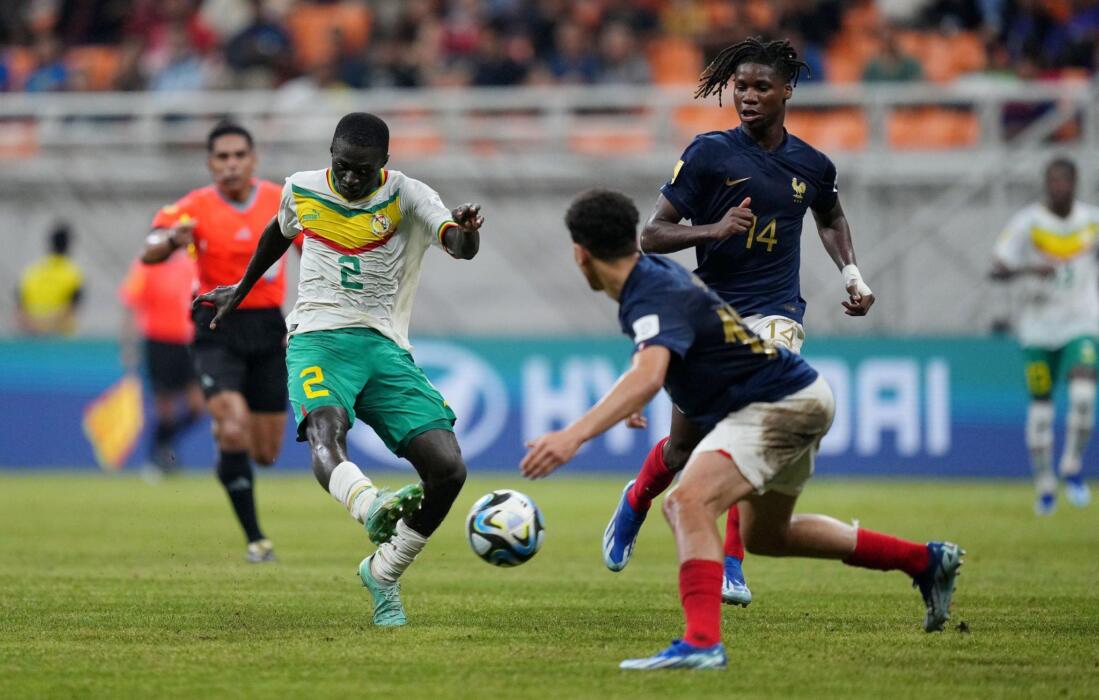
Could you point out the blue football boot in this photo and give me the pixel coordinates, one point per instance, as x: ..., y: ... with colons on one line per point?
x: 734, y: 591
x: 680, y: 655
x: 621, y: 533
x: 1077, y: 491
x: 936, y: 583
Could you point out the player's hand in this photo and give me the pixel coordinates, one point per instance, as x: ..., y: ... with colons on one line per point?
x: 468, y: 216
x: 547, y: 453
x: 223, y: 299
x: 637, y: 421
x: 859, y: 299
x: 736, y: 221
x: 182, y: 233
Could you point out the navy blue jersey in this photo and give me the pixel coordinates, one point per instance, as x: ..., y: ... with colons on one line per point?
x: 757, y: 272
x: 717, y: 364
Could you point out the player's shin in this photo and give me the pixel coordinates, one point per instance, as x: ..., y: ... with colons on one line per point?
x: 352, y: 489
x: 700, y: 594
x: 234, y: 471
x: 1081, y: 421
x: 1039, y: 441
x: 653, y: 479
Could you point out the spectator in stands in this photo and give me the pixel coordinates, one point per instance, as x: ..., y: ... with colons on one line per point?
x: 50, y: 289
x: 261, y: 50
x: 131, y: 74
x: 501, y: 61
x: 572, y: 60
x: 183, y: 68
x: 892, y: 64
x: 50, y: 74
x: 620, y: 60
x: 91, y: 21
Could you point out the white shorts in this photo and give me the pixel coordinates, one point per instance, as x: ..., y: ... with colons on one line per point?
x: 781, y: 331
x: 775, y: 444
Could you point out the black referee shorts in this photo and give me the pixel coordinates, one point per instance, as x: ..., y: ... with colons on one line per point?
x: 169, y: 366
x: 246, y: 354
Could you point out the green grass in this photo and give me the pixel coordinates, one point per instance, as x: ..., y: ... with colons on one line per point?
x: 112, y: 588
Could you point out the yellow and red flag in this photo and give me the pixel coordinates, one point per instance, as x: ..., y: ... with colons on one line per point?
x: 113, y: 422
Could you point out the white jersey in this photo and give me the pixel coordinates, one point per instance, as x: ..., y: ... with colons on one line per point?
x: 360, y: 262
x: 1065, y: 305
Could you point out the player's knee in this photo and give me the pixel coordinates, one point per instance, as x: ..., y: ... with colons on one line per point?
x: 1081, y: 393
x: 448, y: 477
x: 265, y: 455
x: 683, y: 500
x: 231, y: 435
x: 770, y: 544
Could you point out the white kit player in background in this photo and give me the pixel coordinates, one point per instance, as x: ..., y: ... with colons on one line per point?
x: 1051, y: 248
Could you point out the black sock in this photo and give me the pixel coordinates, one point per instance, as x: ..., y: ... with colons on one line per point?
x: 160, y: 451
x: 235, y: 473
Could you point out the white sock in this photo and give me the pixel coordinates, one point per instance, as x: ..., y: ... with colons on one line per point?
x: 393, y: 557
x: 352, y: 489
x: 1081, y: 420
x: 1039, y: 441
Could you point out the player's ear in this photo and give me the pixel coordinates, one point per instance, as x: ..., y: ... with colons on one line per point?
x: 384, y: 162
x: 580, y: 255
x: 787, y: 91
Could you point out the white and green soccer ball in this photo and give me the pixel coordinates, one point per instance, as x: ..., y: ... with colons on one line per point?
x: 505, y: 528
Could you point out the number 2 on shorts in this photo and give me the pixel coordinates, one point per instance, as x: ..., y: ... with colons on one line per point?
x: 316, y: 376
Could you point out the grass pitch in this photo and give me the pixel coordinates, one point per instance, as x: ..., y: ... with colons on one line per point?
x: 113, y: 588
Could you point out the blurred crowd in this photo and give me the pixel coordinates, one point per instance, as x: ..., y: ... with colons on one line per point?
x: 303, y: 45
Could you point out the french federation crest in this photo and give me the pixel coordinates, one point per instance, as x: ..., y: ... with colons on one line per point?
x: 799, y: 189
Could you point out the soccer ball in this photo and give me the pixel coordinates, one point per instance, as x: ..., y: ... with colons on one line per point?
x: 505, y: 528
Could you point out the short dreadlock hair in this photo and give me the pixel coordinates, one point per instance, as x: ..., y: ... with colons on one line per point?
x: 779, y: 54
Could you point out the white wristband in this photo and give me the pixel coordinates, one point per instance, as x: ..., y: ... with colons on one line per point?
x: 851, y: 276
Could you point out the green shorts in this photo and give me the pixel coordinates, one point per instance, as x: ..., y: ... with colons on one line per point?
x: 1044, y: 367
x: 370, y: 377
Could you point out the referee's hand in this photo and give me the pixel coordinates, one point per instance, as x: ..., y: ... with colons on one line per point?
x: 223, y: 299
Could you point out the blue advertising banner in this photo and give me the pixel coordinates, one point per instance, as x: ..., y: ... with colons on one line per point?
x: 912, y: 407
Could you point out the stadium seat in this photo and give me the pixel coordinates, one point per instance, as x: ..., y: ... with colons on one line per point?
x: 674, y: 61
x: 99, y: 63
x: 932, y: 128
x: 312, y: 26
x: 20, y: 63
x: 847, y: 56
x: 612, y: 138
x: 843, y: 129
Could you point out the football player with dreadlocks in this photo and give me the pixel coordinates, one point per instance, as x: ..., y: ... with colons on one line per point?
x: 745, y: 192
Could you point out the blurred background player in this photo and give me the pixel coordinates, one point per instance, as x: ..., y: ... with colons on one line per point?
x: 762, y: 411
x: 746, y: 192
x: 159, y: 300
x: 50, y: 289
x: 1051, y: 247
x: 242, y: 369
x: 366, y: 231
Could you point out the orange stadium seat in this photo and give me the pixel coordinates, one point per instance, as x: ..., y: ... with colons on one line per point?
x: 861, y: 18
x: 613, y: 138
x: 99, y: 63
x: 932, y: 128
x: 843, y: 129
x: 313, y: 26
x: 674, y: 61
x: 848, y: 55
x: 698, y: 119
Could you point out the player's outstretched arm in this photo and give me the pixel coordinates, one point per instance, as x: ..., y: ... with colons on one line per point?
x: 835, y: 234
x: 629, y: 395
x: 272, y: 246
x: 1002, y: 272
x: 663, y: 233
x: 464, y: 240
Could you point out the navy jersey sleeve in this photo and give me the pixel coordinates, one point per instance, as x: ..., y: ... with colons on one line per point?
x: 828, y: 192
x: 659, y: 321
x: 690, y: 183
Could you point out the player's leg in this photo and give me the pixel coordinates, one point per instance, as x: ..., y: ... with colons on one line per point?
x: 710, y: 485
x: 664, y: 461
x: 1041, y: 366
x: 265, y: 388
x: 169, y: 368
x: 1080, y: 359
x: 323, y: 383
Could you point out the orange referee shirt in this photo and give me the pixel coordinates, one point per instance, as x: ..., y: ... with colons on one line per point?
x: 160, y: 296
x: 226, y: 235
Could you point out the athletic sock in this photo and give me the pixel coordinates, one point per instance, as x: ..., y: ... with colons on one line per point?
x: 874, y: 550
x: 1081, y: 420
x: 652, y: 480
x: 235, y: 473
x: 700, y: 593
x: 163, y: 434
x: 734, y: 547
x: 1039, y: 442
x: 393, y: 557
x: 352, y: 489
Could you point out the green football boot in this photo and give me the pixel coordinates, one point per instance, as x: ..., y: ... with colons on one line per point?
x: 388, y: 610
x: 389, y: 507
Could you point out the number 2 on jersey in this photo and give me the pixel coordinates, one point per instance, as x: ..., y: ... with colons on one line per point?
x: 315, y: 376
x: 349, y: 266
x: 767, y: 235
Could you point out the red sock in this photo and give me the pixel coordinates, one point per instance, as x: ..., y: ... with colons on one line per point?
x: 653, y: 478
x: 733, y: 546
x: 700, y: 593
x: 873, y: 550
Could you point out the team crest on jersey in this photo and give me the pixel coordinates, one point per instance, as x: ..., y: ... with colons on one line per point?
x: 380, y: 223
x: 799, y: 190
